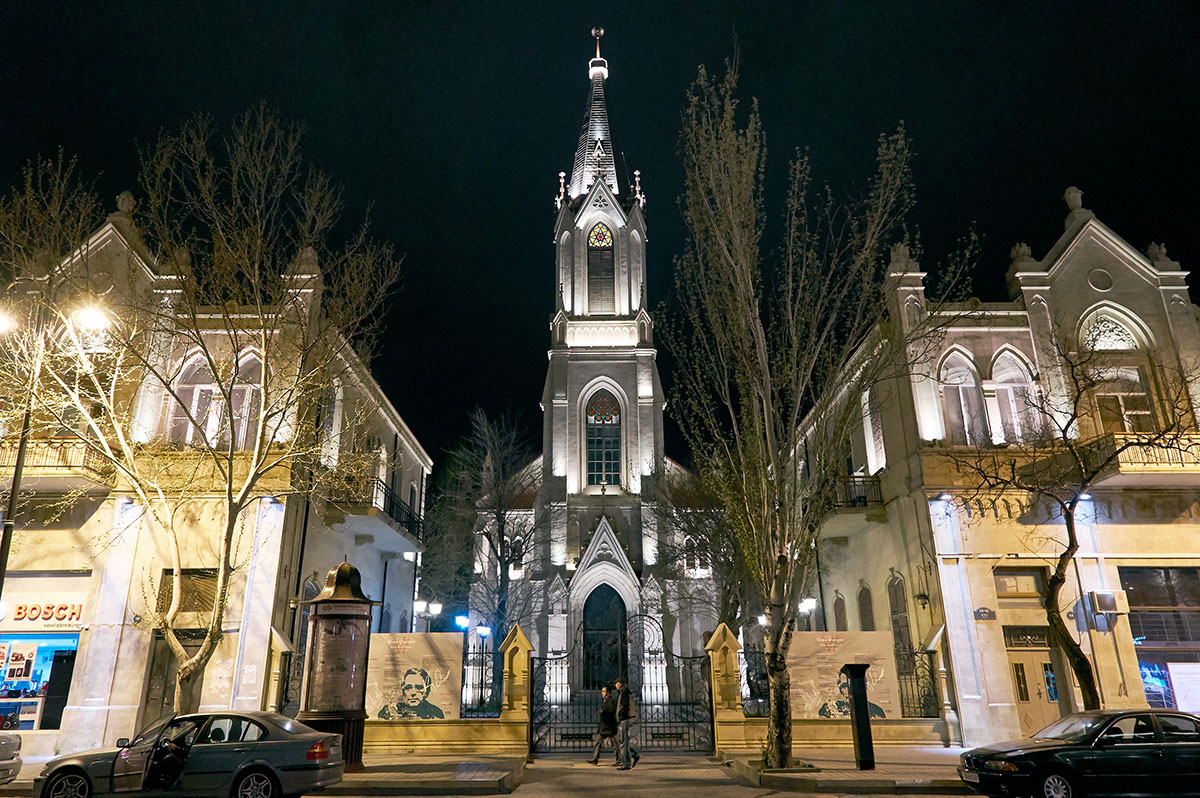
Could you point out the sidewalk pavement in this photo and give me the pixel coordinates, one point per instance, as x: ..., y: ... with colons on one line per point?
x: 911, y: 770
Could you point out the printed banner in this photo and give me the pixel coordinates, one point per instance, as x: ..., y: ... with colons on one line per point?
x: 1185, y: 682
x: 414, y: 676
x: 819, y: 690
x: 3, y: 657
x: 20, y: 662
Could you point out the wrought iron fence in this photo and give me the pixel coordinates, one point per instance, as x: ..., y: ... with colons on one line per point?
x: 858, y: 491
x: 482, y: 682
x: 917, y: 675
x: 752, y: 663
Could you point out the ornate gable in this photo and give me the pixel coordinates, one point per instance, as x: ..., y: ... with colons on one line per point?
x: 605, y: 547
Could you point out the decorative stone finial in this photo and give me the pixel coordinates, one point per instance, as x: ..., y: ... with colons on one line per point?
x: 1156, y: 252
x: 125, y: 203
x: 1074, y: 198
x: 637, y: 187
x: 901, y: 256
x: 1019, y: 252
x: 562, y: 190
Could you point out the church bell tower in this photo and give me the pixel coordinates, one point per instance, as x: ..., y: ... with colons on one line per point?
x: 603, y: 400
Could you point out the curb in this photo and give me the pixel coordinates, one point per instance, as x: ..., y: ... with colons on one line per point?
x: 805, y: 780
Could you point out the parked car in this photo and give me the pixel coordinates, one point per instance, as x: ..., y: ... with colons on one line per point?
x: 10, y: 757
x: 1117, y: 752
x: 238, y: 754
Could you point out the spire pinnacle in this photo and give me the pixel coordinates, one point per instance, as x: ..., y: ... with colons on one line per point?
x: 598, y: 66
x: 596, y: 157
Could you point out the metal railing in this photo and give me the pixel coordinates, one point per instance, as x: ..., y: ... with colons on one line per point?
x: 482, y: 682
x: 1150, y: 627
x: 858, y: 491
x: 57, y: 454
x: 752, y: 664
x: 1145, y: 450
x: 377, y: 494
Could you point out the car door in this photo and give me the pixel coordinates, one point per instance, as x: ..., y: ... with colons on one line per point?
x: 129, y: 765
x: 223, y: 745
x: 1181, y: 752
x: 1125, y: 759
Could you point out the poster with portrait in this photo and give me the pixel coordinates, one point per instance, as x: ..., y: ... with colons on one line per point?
x: 819, y: 690
x: 414, y: 676
x: 21, y: 657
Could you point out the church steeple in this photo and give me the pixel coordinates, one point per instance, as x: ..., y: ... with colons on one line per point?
x: 596, y: 158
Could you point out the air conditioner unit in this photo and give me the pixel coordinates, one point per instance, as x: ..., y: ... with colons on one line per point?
x: 1109, y: 602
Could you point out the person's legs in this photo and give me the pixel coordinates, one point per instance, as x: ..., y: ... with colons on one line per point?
x: 626, y: 744
x: 596, y: 749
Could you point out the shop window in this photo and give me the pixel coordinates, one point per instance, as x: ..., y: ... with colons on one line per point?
x: 198, y: 590
x: 1164, y: 620
x: 37, y: 677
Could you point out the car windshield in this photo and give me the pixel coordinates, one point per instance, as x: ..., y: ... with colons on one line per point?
x: 1072, y: 728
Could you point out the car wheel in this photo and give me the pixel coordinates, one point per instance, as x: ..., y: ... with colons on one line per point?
x: 255, y: 784
x: 1056, y: 785
x: 69, y: 784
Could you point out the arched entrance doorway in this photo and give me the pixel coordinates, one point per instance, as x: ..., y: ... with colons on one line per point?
x: 604, y: 638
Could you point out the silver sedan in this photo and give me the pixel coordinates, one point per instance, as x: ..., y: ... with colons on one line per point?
x: 239, y: 754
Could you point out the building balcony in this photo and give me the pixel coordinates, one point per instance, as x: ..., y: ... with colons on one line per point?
x: 858, y: 492
x: 56, y: 465
x: 374, y: 509
x: 1172, y: 462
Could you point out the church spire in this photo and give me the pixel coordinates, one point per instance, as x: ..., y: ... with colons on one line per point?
x: 596, y: 156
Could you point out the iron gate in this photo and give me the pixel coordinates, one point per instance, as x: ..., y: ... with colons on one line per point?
x: 674, y: 699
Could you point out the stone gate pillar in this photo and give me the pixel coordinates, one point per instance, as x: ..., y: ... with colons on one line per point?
x: 723, y: 648
x: 516, y: 649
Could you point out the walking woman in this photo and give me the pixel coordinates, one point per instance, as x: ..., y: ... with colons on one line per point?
x: 607, y: 726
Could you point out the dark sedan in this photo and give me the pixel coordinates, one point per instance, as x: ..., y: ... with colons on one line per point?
x: 1117, y: 752
x: 236, y: 754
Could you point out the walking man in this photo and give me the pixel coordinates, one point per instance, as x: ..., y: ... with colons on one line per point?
x: 607, y: 726
x: 626, y: 717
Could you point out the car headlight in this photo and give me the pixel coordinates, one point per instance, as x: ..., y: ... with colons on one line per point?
x: 1002, y: 765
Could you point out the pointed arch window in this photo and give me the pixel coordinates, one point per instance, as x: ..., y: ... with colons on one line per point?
x: 601, y: 279
x: 866, y: 610
x: 961, y: 401
x: 603, y: 439
x: 839, y: 614
x: 1013, y: 386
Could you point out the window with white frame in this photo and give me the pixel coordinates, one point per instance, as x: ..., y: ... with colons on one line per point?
x: 1013, y: 393
x: 1122, y: 402
x: 198, y: 414
x: 962, y: 401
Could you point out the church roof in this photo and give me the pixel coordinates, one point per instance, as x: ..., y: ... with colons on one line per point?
x: 597, y: 157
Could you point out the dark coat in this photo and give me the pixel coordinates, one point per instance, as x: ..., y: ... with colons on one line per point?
x: 608, y: 716
x: 626, y: 706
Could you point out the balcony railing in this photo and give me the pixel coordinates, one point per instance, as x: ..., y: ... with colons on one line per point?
x: 1145, y: 453
x: 858, y: 491
x: 375, y: 493
x: 54, y: 458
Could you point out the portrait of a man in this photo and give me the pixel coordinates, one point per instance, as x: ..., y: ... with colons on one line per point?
x: 414, y: 699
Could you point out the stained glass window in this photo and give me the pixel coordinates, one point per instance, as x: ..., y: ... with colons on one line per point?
x: 603, y: 439
x: 600, y: 237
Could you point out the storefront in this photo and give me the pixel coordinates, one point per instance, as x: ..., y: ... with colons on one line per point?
x: 41, y: 616
x: 1164, y: 619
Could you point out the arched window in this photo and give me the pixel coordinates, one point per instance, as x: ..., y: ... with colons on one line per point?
x: 961, y: 401
x: 839, y: 614
x: 603, y: 439
x: 1017, y: 416
x: 199, y: 416
x: 1122, y: 401
x: 601, y: 280
x: 901, y: 636
x: 866, y: 610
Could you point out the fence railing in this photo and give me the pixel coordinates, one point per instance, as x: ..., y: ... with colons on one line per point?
x: 752, y: 663
x: 377, y: 494
x: 482, y: 682
x: 55, y: 454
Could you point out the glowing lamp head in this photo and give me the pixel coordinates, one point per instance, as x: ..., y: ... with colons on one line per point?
x: 808, y: 605
x: 420, y: 606
x: 762, y: 620
x: 435, y: 608
x: 483, y: 631
x: 8, y: 322
x: 92, y: 318
x: 1085, y: 497
x: 462, y: 621
x: 944, y: 497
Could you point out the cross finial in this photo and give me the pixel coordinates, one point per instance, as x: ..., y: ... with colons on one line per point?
x: 637, y: 187
x: 562, y: 189
x: 597, y: 33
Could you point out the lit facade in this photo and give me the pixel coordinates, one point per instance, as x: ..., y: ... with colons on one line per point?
x: 913, y: 551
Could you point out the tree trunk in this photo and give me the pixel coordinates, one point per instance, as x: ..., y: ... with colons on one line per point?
x: 1060, y: 635
x: 498, y: 635
x: 779, y: 724
x: 187, y: 690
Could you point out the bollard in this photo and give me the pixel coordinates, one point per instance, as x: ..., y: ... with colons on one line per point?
x: 860, y: 717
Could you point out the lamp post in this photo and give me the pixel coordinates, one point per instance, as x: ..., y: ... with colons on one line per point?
x: 427, y: 610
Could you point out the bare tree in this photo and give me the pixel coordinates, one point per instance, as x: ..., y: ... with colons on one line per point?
x: 1069, y: 441
x: 201, y: 374
x: 772, y: 352
x: 487, y: 497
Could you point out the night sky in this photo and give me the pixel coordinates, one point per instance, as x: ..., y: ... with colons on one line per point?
x: 454, y: 119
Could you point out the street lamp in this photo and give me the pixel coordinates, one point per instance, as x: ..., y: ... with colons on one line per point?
x: 427, y: 610
x: 807, y: 605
